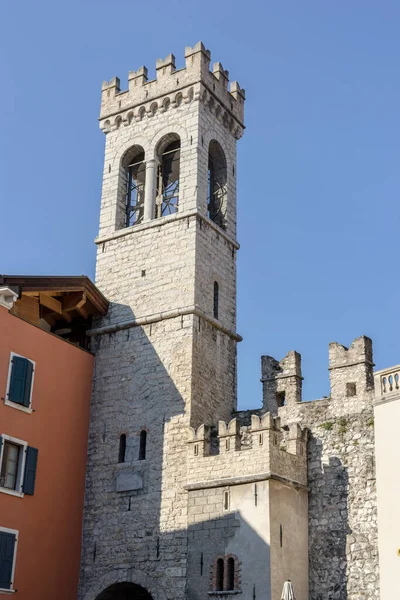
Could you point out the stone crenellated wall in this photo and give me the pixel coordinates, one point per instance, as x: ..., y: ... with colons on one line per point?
x: 248, y: 501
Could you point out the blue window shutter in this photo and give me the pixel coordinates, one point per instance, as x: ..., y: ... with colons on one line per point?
x: 7, y: 545
x: 16, y: 392
x: 28, y: 383
x: 28, y: 486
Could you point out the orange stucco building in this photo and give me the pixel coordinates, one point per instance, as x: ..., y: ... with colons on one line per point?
x: 45, y: 390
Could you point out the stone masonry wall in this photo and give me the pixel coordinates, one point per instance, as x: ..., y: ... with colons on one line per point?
x: 343, y: 551
x: 142, y: 526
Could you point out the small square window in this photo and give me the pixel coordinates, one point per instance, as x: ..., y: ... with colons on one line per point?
x: 351, y: 389
x: 20, y: 383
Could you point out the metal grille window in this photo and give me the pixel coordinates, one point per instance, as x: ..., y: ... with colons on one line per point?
x: 136, y: 179
x: 167, y: 201
x: 217, y: 184
x: 10, y: 466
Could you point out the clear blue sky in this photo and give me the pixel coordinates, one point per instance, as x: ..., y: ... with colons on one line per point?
x: 318, y: 167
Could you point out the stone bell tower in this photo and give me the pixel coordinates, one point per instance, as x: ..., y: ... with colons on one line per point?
x: 166, y: 351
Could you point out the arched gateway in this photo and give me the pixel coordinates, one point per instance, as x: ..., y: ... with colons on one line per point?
x: 124, y: 591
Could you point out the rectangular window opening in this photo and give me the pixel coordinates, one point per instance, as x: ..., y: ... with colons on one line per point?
x: 226, y: 500
x: 281, y: 399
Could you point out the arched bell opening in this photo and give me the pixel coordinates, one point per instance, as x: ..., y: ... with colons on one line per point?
x: 124, y: 591
x: 134, y: 181
x: 169, y: 156
x: 217, y: 184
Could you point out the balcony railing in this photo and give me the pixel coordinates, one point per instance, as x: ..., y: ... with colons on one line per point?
x: 387, y: 381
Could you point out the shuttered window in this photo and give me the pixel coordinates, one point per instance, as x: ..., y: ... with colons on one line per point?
x: 7, y: 556
x: 20, y: 385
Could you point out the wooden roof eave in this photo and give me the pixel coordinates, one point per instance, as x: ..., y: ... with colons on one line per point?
x: 61, y: 283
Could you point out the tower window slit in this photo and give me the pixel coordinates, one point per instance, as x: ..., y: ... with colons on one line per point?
x: 226, y: 501
x: 216, y: 300
x: 142, y: 445
x: 122, y: 448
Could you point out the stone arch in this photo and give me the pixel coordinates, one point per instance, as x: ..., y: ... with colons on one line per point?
x: 151, y: 584
x: 213, y: 135
x: 124, y: 148
x: 175, y: 130
x: 125, y: 590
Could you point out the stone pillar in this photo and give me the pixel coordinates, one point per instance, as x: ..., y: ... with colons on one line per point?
x: 150, y: 190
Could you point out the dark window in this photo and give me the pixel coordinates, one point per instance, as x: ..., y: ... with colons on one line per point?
x: 122, y: 448
x: 281, y: 399
x: 220, y: 575
x: 351, y: 389
x: 19, y: 390
x: 167, y: 200
x: 142, y: 445
x: 136, y: 180
x: 217, y: 184
x: 230, y: 579
x: 216, y: 299
x: 7, y: 545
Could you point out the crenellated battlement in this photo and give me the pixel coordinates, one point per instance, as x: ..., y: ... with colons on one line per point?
x: 350, y: 372
x: 273, y: 451
x: 171, y: 88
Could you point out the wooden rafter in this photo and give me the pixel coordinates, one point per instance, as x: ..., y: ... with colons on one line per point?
x: 51, y: 303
